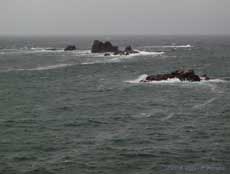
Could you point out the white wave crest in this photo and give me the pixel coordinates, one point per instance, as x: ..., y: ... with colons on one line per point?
x: 216, y: 81
x: 139, y: 79
x: 41, y: 68
x: 33, y: 50
x: 168, y: 117
x: 140, y: 53
x: 50, y: 67
x: 199, y: 106
x: 142, y: 77
x: 115, y: 58
x: 82, y: 53
x: 146, y: 53
x: 169, y: 46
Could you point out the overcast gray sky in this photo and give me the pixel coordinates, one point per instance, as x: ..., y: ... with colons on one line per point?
x: 68, y: 17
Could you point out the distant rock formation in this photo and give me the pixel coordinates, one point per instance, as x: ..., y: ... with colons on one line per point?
x: 182, y: 75
x: 70, y: 48
x: 129, y: 50
x: 107, y: 54
x: 103, y: 47
x: 107, y: 48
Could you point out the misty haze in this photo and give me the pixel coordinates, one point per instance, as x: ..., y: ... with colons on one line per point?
x: 77, y: 17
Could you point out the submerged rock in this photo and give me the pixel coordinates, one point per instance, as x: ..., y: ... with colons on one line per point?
x: 119, y: 52
x: 182, y: 75
x: 70, y: 48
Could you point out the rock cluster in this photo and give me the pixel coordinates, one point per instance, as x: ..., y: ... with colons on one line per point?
x: 182, y: 75
x: 103, y: 47
x: 108, y: 49
x: 129, y: 50
x: 70, y: 48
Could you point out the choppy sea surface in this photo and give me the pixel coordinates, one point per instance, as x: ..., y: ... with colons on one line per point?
x: 82, y: 113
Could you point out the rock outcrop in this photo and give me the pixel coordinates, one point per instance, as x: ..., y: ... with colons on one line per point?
x: 107, y: 48
x: 182, y: 75
x: 129, y: 50
x: 70, y: 48
x: 103, y: 47
x: 107, y: 54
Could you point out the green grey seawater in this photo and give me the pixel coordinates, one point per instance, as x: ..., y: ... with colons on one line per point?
x: 77, y: 112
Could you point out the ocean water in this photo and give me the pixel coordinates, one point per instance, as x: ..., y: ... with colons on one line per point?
x: 82, y: 113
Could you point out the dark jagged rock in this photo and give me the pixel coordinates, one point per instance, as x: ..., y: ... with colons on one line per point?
x: 182, y: 75
x: 128, y: 50
x: 188, y: 75
x: 107, y: 54
x: 103, y: 47
x: 159, y: 77
x: 70, y: 48
x: 119, y: 52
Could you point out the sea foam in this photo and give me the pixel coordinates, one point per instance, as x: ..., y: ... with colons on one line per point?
x: 33, y: 50
x: 140, y: 53
x: 115, y: 58
x: 169, y: 46
x: 142, y: 77
x: 41, y: 68
x: 50, y: 67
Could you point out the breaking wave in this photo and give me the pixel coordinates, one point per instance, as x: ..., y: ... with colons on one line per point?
x: 140, y: 53
x: 81, y: 53
x: 37, y: 49
x: 115, y: 58
x: 169, y: 46
x: 147, y: 53
x: 49, y: 67
x: 41, y: 68
x: 138, y: 80
x: 171, y: 81
x: 143, y: 77
x: 83, y: 57
x: 32, y: 50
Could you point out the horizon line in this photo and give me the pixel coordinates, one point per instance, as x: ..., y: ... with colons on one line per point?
x: 109, y: 34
